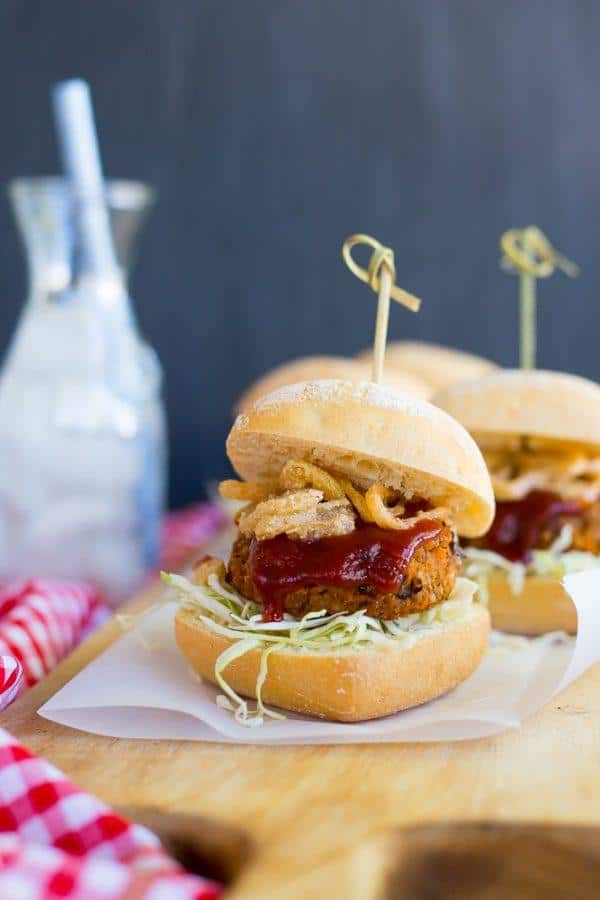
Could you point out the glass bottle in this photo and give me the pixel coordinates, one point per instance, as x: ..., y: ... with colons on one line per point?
x: 82, y: 429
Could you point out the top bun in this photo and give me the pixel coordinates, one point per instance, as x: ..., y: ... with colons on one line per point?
x: 310, y: 368
x: 552, y: 406
x: 438, y: 366
x: 367, y: 433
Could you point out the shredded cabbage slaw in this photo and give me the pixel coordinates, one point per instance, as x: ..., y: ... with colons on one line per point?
x: 557, y: 561
x: 227, y: 613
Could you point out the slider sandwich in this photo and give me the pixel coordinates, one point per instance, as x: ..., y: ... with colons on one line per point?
x: 341, y: 597
x: 313, y: 368
x: 435, y: 364
x: 540, y: 436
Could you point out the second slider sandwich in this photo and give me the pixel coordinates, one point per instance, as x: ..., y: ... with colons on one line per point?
x: 319, y: 368
x: 436, y: 365
x: 540, y: 435
x: 341, y: 597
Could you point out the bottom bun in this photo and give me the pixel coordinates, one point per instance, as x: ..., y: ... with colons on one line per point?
x: 542, y: 605
x: 349, y: 686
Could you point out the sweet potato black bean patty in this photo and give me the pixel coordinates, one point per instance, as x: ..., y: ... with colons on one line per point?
x: 429, y: 580
x: 586, y: 531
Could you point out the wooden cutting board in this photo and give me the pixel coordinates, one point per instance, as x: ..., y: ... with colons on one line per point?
x: 323, y: 821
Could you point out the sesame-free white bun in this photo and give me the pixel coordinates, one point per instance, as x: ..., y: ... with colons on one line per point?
x: 367, y: 433
x: 550, y: 409
x: 311, y: 368
x: 346, y: 686
x: 437, y: 365
x: 552, y: 406
x: 543, y: 605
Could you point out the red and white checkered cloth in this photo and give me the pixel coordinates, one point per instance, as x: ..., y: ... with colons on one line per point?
x: 11, y: 679
x: 56, y: 841
x: 42, y: 620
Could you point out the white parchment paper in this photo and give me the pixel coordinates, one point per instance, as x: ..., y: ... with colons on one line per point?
x: 141, y: 687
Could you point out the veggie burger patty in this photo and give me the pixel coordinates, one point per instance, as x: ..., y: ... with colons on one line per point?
x: 429, y: 580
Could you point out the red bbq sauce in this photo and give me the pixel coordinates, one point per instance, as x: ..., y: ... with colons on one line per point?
x: 367, y: 556
x: 518, y: 524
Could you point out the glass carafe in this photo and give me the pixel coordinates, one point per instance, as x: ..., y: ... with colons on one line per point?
x: 82, y: 433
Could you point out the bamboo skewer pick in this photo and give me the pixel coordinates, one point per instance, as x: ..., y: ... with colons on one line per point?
x: 529, y: 252
x: 380, y: 276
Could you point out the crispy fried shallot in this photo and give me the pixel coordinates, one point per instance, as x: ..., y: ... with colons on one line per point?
x: 356, y: 499
x: 310, y: 503
x: 573, y: 476
x: 297, y: 474
x: 301, y: 514
x: 390, y: 516
x: 253, y: 491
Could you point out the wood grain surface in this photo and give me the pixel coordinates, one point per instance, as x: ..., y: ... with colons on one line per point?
x: 493, y: 861
x: 325, y: 818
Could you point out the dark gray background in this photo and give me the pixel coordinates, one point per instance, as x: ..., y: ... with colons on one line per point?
x: 272, y: 129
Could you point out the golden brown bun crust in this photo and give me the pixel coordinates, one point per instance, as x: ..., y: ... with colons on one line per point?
x: 542, y: 606
x: 437, y: 365
x: 367, y: 433
x: 346, y: 687
x: 310, y: 368
x: 553, y: 406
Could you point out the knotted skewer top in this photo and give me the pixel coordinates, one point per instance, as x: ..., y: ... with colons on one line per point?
x: 528, y: 250
x: 380, y: 257
x: 529, y: 253
x: 380, y: 276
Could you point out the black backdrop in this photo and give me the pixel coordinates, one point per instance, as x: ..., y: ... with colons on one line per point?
x: 274, y: 128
